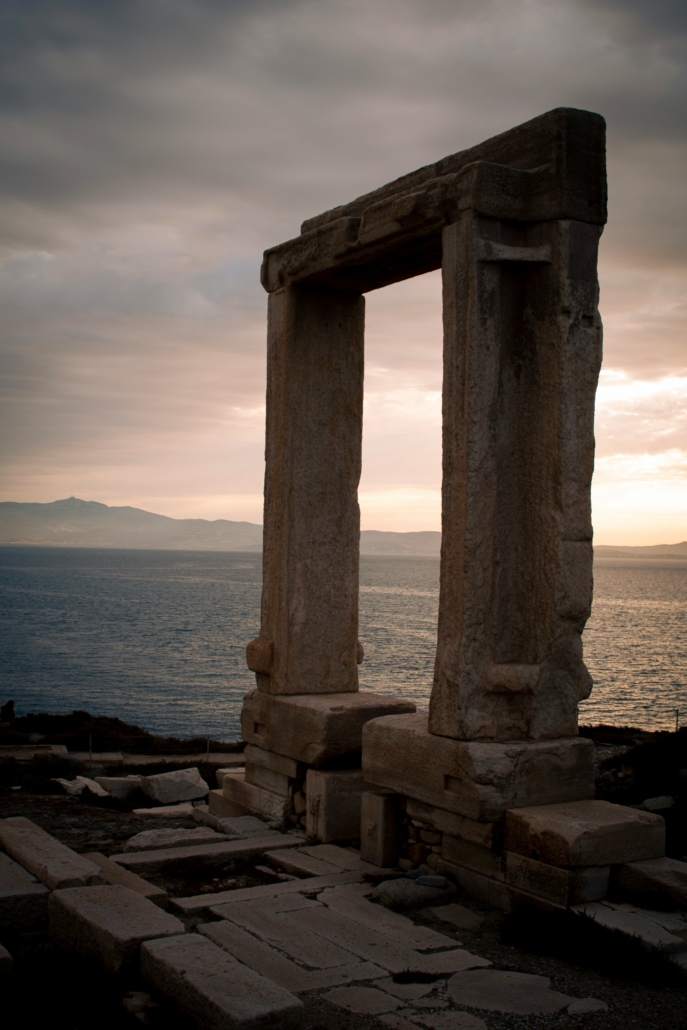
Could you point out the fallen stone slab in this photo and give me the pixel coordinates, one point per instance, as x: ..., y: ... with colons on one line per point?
x: 450, y: 1021
x: 300, y: 864
x: 6, y: 963
x: 216, y: 903
x: 270, y: 962
x: 115, y: 874
x: 584, y: 833
x: 522, y: 994
x: 150, y: 840
x: 402, y: 893
x: 51, y: 862
x: 222, y: 807
x: 182, y: 811
x: 457, y: 915
x: 107, y: 924
x: 658, y: 882
x: 364, y: 1001
x: 344, y: 858
x: 637, y: 925
x: 581, y: 1006
x: 171, y: 787
x: 119, y: 786
x: 23, y: 900
x: 215, y: 990
x: 205, y: 854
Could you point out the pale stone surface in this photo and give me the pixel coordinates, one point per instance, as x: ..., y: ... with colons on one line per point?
x: 205, y: 854
x: 119, y: 786
x: 560, y: 886
x: 23, y: 900
x: 51, y: 862
x: 365, y: 1001
x: 659, y: 881
x: 450, y: 1021
x: 484, y: 834
x: 276, y: 763
x: 407, y: 894
x: 167, y: 812
x: 265, y: 803
x: 380, y: 827
x: 107, y: 924
x: 293, y: 861
x: 522, y: 994
x: 477, y: 779
x: 637, y: 925
x: 114, y: 874
x: 584, y: 833
x: 458, y: 915
x: 214, y: 990
x: 472, y: 856
x: 221, y: 807
x: 333, y: 804
x: 168, y: 838
x: 312, y: 728
x: 581, y: 1006
x: 6, y: 963
x: 269, y: 962
x: 169, y: 788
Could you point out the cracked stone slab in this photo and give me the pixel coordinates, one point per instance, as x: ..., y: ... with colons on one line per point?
x: 23, y: 900
x: 364, y: 1001
x: 638, y: 925
x: 496, y: 990
x: 51, y: 862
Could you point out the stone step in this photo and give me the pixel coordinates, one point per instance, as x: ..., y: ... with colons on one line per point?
x: 152, y: 840
x: 23, y: 900
x: 267, y: 961
x: 115, y: 874
x: 205, y: 854
x: 216, y: 903
x: 215, y: 990
x: 51, y: 862
x: 107, y: 924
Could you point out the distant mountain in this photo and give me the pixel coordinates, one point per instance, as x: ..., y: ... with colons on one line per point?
x: 76, y: 523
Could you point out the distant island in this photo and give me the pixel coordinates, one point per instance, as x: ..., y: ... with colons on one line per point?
x: 76, y: 523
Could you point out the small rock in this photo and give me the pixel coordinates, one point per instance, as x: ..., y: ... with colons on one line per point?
x: 432, y: 881
x: 583, y: 1005
x: 95, y: 788
x: 182, y: 785
x: 404, y: 893
x: 364, y: 1001
x: 659, y: 804
x: 413, y: 873
x: 70, y: 787
x: 405, y: 864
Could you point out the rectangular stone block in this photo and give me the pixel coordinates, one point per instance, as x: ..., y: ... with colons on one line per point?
x: 114, y: 874
x: 213, y: 989
x: 51, y: 862
x: 584, y: 833
x: 293, y: 861
x: 472, y: 856
x: 333, y: 804
x: 264, y: 803
x: 23, y: 900
x: 657, y: 883
x: 107, y: 924
x: 119, y: 786
x: 222, y: 807
x: 380, y: 827
x: 211, y: 855
x: 483, y: 888
x: 231, y: 771
x: 560, y: 886
x: 277, y: 763
x: 487, y: 835
x: 313, y: 728
x: 477, y: 779
x: 268, y: 779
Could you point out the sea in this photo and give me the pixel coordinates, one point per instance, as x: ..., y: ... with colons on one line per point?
x: 157, y: 638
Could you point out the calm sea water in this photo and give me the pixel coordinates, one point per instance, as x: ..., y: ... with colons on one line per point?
x: 157, y: 638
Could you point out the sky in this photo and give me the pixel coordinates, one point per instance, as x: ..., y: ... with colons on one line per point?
x: 152, y: 149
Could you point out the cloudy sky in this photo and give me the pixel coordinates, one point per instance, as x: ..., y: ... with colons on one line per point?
x: 151, y: 149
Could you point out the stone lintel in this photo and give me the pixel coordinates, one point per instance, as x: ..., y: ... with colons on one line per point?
x: 313, y: 728
x: 549, y: 168
x: 476, y: 779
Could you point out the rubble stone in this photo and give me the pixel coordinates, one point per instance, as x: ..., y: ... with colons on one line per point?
x: 23, y: 900
x: 172, y: 787
x: 114, y: 874
x: 584, y: 833
x: 407, y: 894
x: 215, y: 990
x: 107, y: 924
x: 51, y: 862
x: 477, y: 779
x: 333, y: 804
